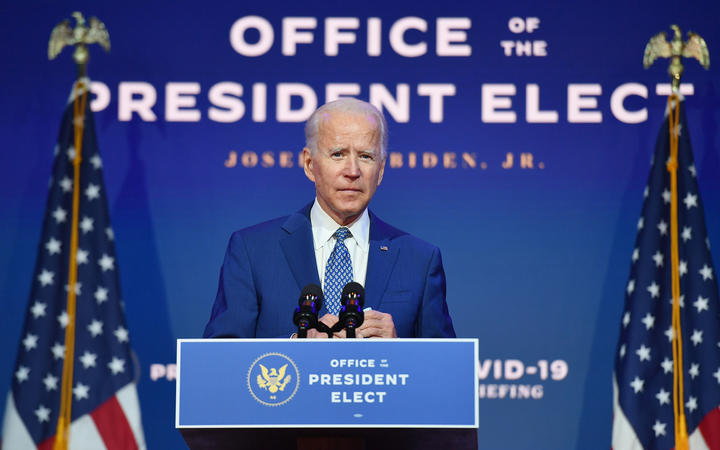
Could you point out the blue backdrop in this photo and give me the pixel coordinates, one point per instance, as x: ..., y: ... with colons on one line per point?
x: 537, y: 252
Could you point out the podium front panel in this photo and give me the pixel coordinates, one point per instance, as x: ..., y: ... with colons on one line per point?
x: 369, y: 383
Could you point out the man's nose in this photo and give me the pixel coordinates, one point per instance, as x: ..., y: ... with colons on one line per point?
x: 352, y: 167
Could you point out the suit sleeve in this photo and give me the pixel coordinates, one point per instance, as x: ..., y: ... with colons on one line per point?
x: 434, y: 320
x: 235, y: 311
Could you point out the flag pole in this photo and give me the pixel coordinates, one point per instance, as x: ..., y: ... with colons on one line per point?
x: 675, y: 50
x: 80, y: 36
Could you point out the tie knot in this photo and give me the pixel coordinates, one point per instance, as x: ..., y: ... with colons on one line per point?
x: 341, y: 234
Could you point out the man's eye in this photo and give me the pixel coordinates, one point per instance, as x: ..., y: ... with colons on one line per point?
x: 336, y: 154
x: 367, y: 156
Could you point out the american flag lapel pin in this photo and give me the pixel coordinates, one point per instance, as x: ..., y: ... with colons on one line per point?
x: 383, y: 248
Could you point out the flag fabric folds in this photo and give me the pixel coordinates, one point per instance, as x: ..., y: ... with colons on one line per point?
x: 643, y: 379
x: 105, y: 408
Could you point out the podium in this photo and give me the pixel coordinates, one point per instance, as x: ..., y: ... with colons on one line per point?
x: 327, y: 394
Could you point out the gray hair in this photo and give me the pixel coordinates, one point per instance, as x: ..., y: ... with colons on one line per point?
x: 347, y: 105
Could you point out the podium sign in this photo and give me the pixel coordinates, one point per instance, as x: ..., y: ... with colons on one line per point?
x: 349, y: 383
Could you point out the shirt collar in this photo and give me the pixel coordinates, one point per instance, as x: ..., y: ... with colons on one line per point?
x: 324, y: 227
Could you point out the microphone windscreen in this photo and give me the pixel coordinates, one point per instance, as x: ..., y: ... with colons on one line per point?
x: 356, y: 290
x: 312, y: 290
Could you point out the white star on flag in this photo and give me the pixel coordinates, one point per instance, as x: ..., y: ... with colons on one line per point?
x: 691, y: 404
x: 101, y: 295
x: 92, y: 192
x: 58, y: 351
x: 22, y: 373
x: 63, y: 319
x: 42, y: 413
x: 641, y: 223
x: 70, y: 153
x: 690, y: 200
x: 658, y: 258
x: 659, y: 428
x: 635, y: 255
x: 88, y: 359
x: 666, y: 196
x: 622, y: 351
x: 644, y: 353
x: 110, y: 234
x: 116, y: 365
x: 60, y: 215
x: 649, y: 321
x: 96, y: 161
x: 30, y: 342
x: 696, y: 337
x: 692, y: 170
x: 663, y: 396
x: 637, y: 384
x: 121, y: 334
x: 694, y: 370
x: 50, y: 382
x: 662, y: 226
x: 107, y: 262
x: 630, y: 286
x: 717, y: 375
x: 95, y: 328
x: 86, y: 225
x: 38, y: 309
x: 78, y: 288
x: 686, y: 234
x: 667, y: 365
x: 81, y: 391
x: 626, y: 318
x: 81, y: 256
x: 706, y: 272
x: 66, y: 184
x: 46, y: 277
x: 654, y: 290
x: 701, y: 304
x: 53, y: 246
x: 682, y: 268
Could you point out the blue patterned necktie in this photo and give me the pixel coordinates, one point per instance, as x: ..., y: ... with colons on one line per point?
x: 338, y: 271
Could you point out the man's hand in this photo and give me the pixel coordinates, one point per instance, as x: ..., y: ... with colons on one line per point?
x: 376, y: 325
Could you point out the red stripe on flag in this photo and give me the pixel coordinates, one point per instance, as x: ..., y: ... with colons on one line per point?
x: 710, y: 429
x: 47, y: 444
x: 113, y: 426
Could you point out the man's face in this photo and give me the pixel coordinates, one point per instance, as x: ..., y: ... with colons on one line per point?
x: 347, y: 167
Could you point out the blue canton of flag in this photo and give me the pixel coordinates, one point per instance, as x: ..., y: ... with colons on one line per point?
x: 105, y: 408
x: 643, y: 381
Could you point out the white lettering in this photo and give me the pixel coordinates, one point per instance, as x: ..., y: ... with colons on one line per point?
x: 579, y: 101
x: 334, y: 37
x: 494, y: 98
x: 617, y: 100
x: 127, y: 105
x: 532, y: 107
x: 398, y: 108
x: 226, y: 95
x: 450, y: 36
x: 397, y: 37
x: 291, y: 36
x: 179, y: 98
x: 285, y: 92
x: 237, y: 36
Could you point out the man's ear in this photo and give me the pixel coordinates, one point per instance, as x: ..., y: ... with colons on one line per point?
x: 382, y: 171
x: 307, y: 164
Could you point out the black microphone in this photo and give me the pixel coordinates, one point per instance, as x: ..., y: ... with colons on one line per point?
x: 306, y: 313
x: 351, y: 307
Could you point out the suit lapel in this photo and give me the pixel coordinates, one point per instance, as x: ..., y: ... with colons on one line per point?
x: 298, y: 248
x: 382, y: 255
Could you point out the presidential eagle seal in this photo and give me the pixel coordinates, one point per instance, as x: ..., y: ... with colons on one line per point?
x: 273, y: 379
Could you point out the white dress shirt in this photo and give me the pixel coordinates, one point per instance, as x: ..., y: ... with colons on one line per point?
x: 358, y: 243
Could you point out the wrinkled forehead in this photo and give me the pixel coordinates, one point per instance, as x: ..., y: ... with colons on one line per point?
x: 339, y: 120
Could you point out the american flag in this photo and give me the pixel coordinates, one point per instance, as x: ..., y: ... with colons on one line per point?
x: 643, y: 379
x: 105, y: 408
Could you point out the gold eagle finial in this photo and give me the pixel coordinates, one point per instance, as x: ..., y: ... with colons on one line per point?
x: 80, y: 36
x: 676, y: 49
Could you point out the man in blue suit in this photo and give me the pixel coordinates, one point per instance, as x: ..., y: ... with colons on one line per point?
x: 335, y: 239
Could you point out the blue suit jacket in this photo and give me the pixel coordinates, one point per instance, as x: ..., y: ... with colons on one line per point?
x: 267, y: 265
